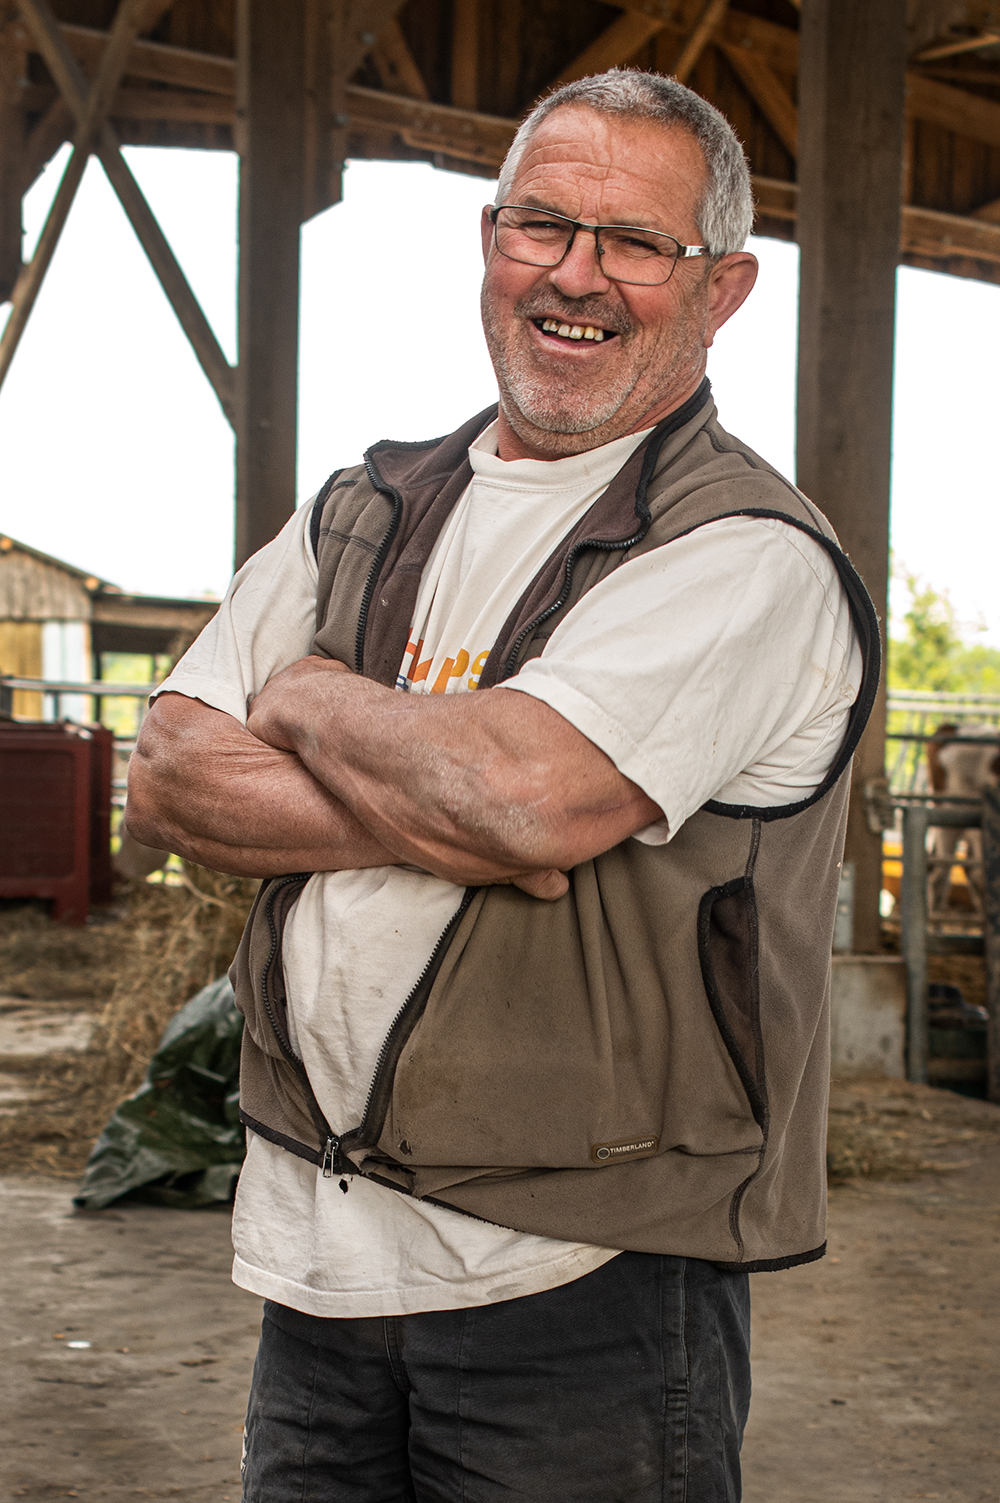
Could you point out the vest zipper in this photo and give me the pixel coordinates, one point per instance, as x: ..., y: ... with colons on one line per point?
x: 395, y: 1038
x: 377, y: 561
x: 511, y: 661
x: 330, y: 1158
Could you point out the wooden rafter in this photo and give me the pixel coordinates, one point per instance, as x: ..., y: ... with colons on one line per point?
x: 955, y: 45
x: 72, y: 85
x: 465, y: 54
x: 203, y: 90
x: 396, y: 65
x: 954, y: 109
x: 766, y: 88
x: 94, y: 104
x: 925, y: 232
x: 704, y: 31
x: 157, y: 61
x: 465, y: 134
x: 44, y: 140
x: 12, y: 67
x: 988, y: 213
x: 616, y: 45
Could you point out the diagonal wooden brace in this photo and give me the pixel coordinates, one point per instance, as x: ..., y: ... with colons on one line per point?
x: 72, y: 85
x: 128, y: 22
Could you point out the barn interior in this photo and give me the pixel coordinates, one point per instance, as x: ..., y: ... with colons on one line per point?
x: 873, y: 136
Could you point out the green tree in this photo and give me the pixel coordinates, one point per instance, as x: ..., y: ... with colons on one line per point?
x: 933, y: 653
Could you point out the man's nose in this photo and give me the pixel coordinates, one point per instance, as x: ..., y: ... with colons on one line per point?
x: 579, y: 272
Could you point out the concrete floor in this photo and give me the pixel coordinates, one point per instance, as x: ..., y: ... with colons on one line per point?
x: 876, y: 1371
x: 153, y: 1407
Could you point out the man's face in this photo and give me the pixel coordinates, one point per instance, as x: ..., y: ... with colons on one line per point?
x: 563, y: 396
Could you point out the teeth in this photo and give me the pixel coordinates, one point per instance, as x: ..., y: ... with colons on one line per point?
x: 572, y: 331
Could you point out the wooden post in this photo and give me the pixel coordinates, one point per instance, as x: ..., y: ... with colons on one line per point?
x: 270, y: 122
x: 851, y: 94
x: 12, y: 72
x: 913, y: 938
x: 465, y: 54
x: 991, y: 929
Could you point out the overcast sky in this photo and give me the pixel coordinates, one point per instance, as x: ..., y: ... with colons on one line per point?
x: 114, y: 453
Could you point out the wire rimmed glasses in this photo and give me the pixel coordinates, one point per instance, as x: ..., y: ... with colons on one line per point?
x: 627, y: 252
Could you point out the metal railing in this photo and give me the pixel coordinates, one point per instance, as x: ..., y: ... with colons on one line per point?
x: 56, y: 690
x: 913, y: 717
x: 919, y: 816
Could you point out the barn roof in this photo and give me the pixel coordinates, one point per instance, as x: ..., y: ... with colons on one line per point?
x: 445, y: 81
x: 34, y: 586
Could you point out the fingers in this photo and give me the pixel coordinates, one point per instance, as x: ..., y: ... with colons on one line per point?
x: 549, y: 885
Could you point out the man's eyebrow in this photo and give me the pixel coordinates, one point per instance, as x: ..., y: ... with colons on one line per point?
x: 532, y: 201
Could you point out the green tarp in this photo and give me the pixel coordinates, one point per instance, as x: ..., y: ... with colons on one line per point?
x: 178, y: 1141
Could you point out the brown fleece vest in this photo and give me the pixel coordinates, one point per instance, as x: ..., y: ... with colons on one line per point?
x: 644, y: 1063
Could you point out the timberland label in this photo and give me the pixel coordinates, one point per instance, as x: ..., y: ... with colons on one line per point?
x: 630, y: 1148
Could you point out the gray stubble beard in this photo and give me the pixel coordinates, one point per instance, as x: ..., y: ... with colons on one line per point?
x: 536, y: 404
x: 543, y: 403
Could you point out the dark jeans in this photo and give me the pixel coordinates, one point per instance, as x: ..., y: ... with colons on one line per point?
x: 629, y: 1385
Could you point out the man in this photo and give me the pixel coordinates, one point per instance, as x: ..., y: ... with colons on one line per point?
x: 535, y: 1064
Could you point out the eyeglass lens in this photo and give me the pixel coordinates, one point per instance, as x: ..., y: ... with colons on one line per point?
x: 627, y: 254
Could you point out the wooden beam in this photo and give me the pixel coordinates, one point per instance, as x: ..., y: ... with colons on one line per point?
x: 130, y: 17
x: 704, y: 30
x: 270, y: 63
x: 923, y: 232
x: 766, y: 89
x: 955, y: 46
x: 72, y: 84
x: 44, y: 140
x: 989, y: 212
x: 396, y: 65
x: 926, y: 232
x: 13, y: 57
x: 157, y: 61
x: 322, y: 138
x: 778, y: 45
x: 954, y: 109
x: 353, y: 28
x: 464, y: 54
x: 851, y: 90
x: 615, y: 45
x: 990, y: 76
x: 465, y: 134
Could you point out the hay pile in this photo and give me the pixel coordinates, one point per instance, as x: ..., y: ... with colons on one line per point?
x: 168, y: 942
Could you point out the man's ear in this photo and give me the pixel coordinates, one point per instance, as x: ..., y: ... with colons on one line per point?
x: 730, y: 284
x: 486, y: 228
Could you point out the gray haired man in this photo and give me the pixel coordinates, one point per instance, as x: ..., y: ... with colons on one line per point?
x: 534, y: 1069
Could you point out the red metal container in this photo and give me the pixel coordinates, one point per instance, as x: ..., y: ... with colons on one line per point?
x: 55, y: 810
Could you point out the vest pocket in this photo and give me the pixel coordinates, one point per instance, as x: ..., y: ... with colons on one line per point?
x: 728, y: 952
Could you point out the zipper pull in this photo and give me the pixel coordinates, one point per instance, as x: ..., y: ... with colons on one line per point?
x: 329, y: 1153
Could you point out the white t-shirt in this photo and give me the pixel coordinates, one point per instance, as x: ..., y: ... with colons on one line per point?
x: 721, y: 666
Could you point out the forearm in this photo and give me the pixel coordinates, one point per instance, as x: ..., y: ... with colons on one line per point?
x: 465, y: 785
x: 202, y: 786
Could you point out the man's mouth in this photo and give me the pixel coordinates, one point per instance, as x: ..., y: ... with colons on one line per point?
x: 556, y: 328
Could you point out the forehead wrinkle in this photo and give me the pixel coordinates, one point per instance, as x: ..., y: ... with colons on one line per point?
x: 589, y: 163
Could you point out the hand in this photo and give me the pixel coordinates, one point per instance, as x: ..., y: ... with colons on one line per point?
x: 549, y: 885
x: 272, y: 715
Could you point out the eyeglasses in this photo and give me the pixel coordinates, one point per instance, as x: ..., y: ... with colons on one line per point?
x: 644, y: 258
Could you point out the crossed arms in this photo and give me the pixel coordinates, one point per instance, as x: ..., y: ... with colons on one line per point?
x: 334, y: 772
